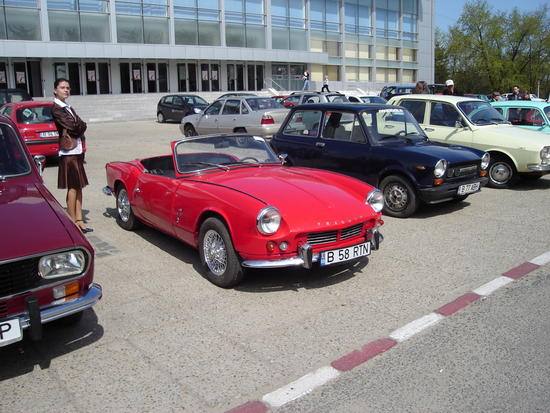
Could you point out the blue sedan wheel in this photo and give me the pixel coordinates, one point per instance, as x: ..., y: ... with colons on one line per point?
x: 400, y: 198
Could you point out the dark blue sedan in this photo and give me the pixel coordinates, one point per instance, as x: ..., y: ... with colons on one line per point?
x: 384, y: 146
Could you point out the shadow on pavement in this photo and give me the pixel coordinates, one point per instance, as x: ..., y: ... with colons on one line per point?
x: 58, y: 339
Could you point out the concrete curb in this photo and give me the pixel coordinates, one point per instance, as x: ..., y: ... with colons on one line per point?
x: 323, y: 375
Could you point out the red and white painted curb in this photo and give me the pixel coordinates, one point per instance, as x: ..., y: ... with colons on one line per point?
x: 323, y: 375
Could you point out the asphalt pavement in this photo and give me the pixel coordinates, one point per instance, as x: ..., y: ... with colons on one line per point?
x: 165, y: 339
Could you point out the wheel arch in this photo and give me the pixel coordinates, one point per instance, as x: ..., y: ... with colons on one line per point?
x: 399, y: 172
x: 497, y: 153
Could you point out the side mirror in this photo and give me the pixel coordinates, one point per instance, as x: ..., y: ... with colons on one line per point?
x: 282, y: 158
x: 458, y: 124
x: 40, y: 161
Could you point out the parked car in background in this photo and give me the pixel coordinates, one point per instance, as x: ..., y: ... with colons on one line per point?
x: 367, y: 99
x: 240, y: 114
x: 233, y: 94
x: 46, y: 263
x: 515, y: 152
x: 384, y: 146
x: 298, y: 98
x: 279, y: 98
x: 13, y: 95
x: 525, y: 113
x: 388, y: 92
x: 176, y: 107
x: 477, y: 96
x: 533, y: 97
x: 34, y: 121
x: 244, y: 209
x: 437, y: 88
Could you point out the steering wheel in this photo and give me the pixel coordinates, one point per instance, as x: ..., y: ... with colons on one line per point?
x: 250, y: 157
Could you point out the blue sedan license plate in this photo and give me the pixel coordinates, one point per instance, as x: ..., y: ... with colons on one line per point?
x: 345, y: 254
x: 468, y: 188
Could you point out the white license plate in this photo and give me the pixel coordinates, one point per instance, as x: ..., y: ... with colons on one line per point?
x: 51, y: 134
x: 345, y: 254
x: 468, y: 188
x: 10, y: 332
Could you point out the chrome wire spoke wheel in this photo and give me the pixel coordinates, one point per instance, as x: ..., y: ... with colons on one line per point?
x: 396, y: 196
x: 123, y: 205
x: 215, y: 252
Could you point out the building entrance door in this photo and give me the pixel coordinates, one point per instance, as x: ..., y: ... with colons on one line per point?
x: 235, y: 76
x: 131, y: 77
x: 157, y: 77
x: 255, y: 77
x: 97, y: 78
x: 187, y: 77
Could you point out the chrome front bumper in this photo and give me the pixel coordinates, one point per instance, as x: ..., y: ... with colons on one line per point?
x: 305, y: 257
x: 65, y: 309
x: 539, y: 167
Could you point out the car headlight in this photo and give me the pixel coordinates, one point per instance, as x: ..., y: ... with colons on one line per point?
x: 268, y: 220
x: 62, y: 264
x: 545, y: 153
x: 375, y: 199
x: 440, y: 168
x: 197, y: 110
x: 485, y: 159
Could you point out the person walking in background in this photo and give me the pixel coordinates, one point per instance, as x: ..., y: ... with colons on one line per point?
x: 495, y: 96
x: 421, y: 88
x: 450, y: 89
x: 515, y: 95
x: 71, y: 174
x: 325, y: 85
x: 305, y: 78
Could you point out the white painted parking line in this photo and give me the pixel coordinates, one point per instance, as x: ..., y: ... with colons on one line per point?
x: 542, y: 259
x: 415, y: 327
x: 301, y: 386
x: 492, y: 286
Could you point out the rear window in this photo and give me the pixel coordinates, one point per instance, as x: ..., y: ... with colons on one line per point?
x: 35, y: 114
x: 263, y: 103
x: 337, y: 99
x: 525, y: 117
x: 13, y: 160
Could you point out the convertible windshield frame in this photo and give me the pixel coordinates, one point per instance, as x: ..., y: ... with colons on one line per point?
x: 220, y: 152
x: 492, y: 118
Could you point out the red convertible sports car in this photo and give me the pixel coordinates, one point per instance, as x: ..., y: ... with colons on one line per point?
x: 234, y: 200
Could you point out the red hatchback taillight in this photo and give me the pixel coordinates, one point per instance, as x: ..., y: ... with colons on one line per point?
x: 267, y: 120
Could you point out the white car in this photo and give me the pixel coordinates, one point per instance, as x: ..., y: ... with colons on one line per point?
x: 367, y: 99
x: 515, y: 152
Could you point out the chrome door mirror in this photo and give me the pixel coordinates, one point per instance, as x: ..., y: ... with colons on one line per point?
x: 40, y: 161
x: 458, y: 124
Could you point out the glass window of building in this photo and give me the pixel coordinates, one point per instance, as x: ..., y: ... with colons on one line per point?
x: 288, y: 25
x: 245, y: 23
x: 79, y: 20
x: 358, y: 17
x: 324, y: 15
x: 142, y: 21
x: 20, y: 20
x: 408, y: 55
x: 197, y: 22
x: 409, y: 75
x: 387, y: 18
x: 410, y: 16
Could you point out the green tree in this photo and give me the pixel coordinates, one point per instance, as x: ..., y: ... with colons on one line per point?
x: 490, y: 50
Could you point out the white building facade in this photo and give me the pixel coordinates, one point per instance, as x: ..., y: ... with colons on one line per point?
x: 150, y: 46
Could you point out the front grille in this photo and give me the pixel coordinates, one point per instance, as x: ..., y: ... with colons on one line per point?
x: 18, y: 276
x: 3, y: 309
x: 327, y: 237
x: 351, y: 232
x: 461, y: 171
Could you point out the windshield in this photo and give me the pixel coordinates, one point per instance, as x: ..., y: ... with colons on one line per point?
x: 263, y: 104
x: 34, y: 114
x: 13, y: 159
x: 195, y: 100
x: 219, y: 152
x: 480, y: 113
x: 374, y: 99
x: 392, y: 124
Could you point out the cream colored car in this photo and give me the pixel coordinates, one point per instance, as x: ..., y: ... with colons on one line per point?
x: 515, y: 152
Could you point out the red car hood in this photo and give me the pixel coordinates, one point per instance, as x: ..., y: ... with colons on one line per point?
x: 28, y: 222
x: 304, y: 197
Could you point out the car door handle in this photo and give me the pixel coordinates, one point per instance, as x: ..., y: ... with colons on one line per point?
x: 320, y: 144
x: 429, y: 129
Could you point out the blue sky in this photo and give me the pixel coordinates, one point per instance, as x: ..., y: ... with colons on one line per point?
x: 448, y: 11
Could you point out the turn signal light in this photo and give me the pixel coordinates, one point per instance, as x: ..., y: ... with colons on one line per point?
x: 65, y: 292
x: 483, y: 173
x: 438, y: 181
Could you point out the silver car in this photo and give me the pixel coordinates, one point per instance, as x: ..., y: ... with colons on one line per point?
x: 242, y: 114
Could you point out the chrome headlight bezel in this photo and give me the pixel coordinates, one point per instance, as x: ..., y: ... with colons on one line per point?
x: 485, y: 159
x: 268, y: 220
x: 375, y: 199
x: 440, y: 168
x: 62, y: 264
x: 545, y: 154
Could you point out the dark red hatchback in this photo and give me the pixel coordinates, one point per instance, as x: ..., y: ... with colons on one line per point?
x: 46, y: 263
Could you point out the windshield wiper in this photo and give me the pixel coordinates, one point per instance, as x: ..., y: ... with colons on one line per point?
x: 225, y: 168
